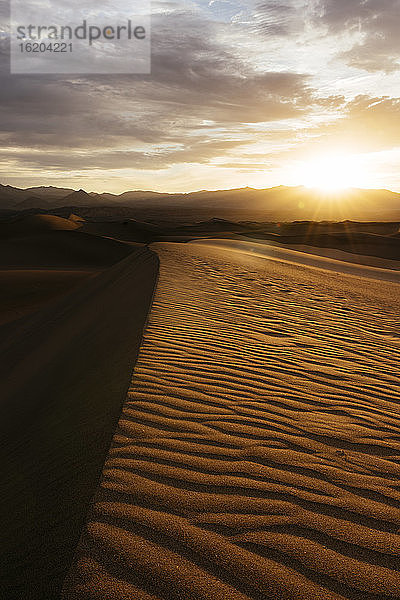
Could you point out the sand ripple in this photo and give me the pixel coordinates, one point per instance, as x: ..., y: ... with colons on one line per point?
x: 258, y: 453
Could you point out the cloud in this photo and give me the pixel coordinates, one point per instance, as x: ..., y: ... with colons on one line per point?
x: 363, y: 125
x: 150, y: 121
x: 276, y: 18
x: 377, y: 24
x: 235, y: 85
x: 371, y: 124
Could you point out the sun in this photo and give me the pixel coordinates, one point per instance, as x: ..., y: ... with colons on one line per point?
x: 331, y: 173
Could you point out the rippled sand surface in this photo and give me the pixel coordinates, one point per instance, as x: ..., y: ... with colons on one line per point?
x: 258, y: 451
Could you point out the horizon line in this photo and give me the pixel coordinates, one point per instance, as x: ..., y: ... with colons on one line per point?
x: 210, y: 191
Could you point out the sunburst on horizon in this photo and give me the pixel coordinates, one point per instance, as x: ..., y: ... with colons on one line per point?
x: 332, y: 173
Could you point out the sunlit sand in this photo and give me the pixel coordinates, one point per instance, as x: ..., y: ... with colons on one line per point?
x: 257, y: 452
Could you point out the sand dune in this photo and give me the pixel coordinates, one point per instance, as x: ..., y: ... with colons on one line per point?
x: 35, y: 224
x: 24, y: 291
x: 343, y: 256
x: 257, y: 455
x: 127, y: 230
x: 64, y: 375
x: 61, y: 249
x: 324, y: 259
x: 41, y: 265
x: 382, y: 246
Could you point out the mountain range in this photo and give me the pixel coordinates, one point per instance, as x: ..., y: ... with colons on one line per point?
x: 280, y: 203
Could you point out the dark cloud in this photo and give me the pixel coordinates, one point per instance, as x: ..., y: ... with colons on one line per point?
x: 195, y: 78
x: 376, y: 21
x: 200, y: 151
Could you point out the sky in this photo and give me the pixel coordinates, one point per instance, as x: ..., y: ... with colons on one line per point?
x: 240, y: 93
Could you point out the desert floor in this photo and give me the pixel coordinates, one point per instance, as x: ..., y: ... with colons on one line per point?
x: 257, y: 455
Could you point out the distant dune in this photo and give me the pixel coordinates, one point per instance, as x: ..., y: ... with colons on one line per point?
x: 385, y: 270
x: 127, y: 230
x: 34, y: 224
x: 257, y: 453
x: 76, y: 218
x: 354, y: 241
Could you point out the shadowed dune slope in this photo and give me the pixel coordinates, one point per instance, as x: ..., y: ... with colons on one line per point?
x: 69, y: 249
x: 38, y: 267
x: 24, y: 291
x: 64, y: 374
x: 257, y: 455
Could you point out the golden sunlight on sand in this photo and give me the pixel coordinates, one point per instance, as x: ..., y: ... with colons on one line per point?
x: 257, y: 453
